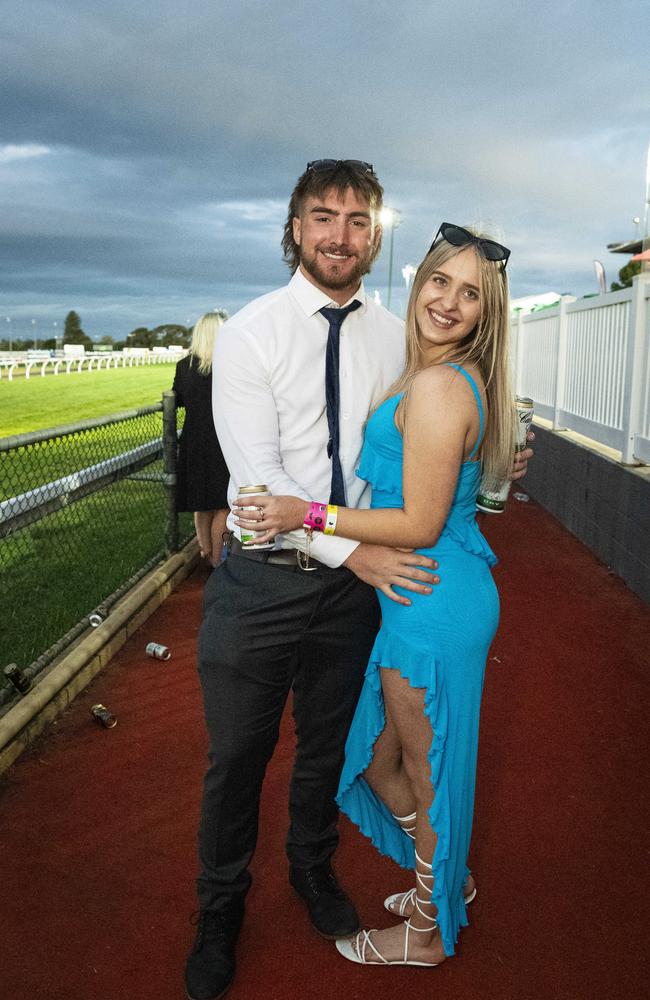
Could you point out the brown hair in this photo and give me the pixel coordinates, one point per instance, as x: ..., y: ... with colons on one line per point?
x: 315, y: 183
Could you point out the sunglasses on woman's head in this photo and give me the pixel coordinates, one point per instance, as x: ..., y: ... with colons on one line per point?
x: 360, y: 165
x: 459, y: 237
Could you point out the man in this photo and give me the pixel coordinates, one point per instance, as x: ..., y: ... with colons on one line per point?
x: 292, y: 388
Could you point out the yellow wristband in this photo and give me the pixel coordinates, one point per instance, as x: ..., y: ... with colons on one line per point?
x: 330, y: 522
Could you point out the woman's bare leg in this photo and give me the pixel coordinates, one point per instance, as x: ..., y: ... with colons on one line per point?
x: 387, y: 776
x: 405, y: 706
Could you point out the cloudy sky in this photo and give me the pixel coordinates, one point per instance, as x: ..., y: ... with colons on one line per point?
x: 148, y: 151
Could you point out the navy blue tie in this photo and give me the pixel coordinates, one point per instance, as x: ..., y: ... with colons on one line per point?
x: 335, y: 319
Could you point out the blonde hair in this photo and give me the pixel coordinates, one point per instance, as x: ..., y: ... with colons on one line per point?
x: 203, y: 334
x: 486, y: 346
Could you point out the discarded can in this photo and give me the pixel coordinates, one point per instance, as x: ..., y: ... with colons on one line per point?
x: 98, y: 616
x: 157, y: 651
x: 15, y: 676
x: 492, y: 495
x: 103, y: 716
x: 247, y: 536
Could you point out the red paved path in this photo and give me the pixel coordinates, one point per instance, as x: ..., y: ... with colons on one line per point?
x: 97, y: 827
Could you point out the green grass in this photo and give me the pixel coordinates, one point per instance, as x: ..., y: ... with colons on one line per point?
x: 57, y: 570
x: 34, y: 465
x: 37, y: 403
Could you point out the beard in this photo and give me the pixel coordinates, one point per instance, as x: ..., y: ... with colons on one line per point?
x: 339, y: 277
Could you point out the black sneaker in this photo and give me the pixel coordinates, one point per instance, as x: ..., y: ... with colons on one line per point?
x: 210, y: 967
x: 330, y: 910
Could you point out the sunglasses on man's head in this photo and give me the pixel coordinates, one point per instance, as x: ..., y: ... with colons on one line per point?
x: 459, y: 237
x: 360, y: 165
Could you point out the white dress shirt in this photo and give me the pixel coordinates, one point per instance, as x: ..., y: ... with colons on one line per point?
x: 268, y: 397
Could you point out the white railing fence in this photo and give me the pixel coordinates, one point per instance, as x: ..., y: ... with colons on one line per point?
x: 586, y: 364
x: 45, y: 364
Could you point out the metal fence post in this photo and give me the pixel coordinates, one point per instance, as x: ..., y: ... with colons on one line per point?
x: 635, y: 367
x: 560, y: 368
x: 170, y: 443
x: 519, y: 355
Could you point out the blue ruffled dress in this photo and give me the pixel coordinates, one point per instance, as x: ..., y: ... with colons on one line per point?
x: 440, y: 644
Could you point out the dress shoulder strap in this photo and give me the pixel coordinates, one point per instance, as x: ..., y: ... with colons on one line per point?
x: 477, y: 396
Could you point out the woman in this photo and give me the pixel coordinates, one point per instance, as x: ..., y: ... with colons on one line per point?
x: 408, y: 778
x: 201, y: 473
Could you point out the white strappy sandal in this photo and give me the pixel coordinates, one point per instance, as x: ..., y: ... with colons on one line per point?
x: 356, y: 949
x: 399, y: 901
x: 360, y: 948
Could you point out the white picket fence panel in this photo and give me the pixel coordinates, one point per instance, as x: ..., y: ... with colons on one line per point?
x: 586, y: 364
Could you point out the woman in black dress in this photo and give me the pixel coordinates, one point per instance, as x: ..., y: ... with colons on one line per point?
x: 202, y: 474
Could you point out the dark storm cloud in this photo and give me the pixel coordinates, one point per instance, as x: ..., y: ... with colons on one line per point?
x: 149, y: 152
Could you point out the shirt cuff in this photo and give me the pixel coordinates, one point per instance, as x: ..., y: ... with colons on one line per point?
x: 326, y: 548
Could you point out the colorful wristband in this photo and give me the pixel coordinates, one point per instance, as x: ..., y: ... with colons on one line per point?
x: 316, y: 517
x: 330, y: 521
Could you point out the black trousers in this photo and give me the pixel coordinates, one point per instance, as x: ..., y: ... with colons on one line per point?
x: 268, y: 629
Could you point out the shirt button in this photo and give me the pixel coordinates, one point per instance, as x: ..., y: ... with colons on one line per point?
x: 346, y: 416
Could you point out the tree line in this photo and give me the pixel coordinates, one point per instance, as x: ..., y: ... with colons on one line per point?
x: 161, y: 336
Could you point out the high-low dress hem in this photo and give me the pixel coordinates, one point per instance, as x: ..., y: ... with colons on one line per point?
x: 367, y: 811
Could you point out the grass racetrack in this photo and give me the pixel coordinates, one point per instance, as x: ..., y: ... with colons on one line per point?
x: 37, y: 403
x: 53, y: 572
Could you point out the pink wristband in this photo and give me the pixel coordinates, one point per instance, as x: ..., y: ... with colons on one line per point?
x: 316, y: 517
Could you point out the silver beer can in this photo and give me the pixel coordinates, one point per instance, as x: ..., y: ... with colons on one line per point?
x: 246, y: 535
x: 525, y: 412
x: 15, y: 676
x: 157, y: 651
x: 103, y: 716
x: 492, y: 496
x: 99, y: 615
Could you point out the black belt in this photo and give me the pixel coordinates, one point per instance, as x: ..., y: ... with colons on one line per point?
x: 275, y: 557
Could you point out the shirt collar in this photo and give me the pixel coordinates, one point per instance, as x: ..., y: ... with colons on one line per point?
x: 311, y: 299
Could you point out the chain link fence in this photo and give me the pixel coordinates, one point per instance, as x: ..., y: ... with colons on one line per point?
x: 85, y: 511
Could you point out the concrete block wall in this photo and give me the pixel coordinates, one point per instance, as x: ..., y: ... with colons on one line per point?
x: 603, y: 503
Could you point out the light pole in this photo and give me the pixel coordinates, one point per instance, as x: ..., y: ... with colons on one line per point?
x: 390, y: 217
x: 34, y: 336
x: 57, y: 346
x: 9, y: 329
x: 407, y: 273
x: 645, y: 264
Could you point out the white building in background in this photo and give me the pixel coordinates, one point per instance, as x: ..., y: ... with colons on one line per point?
x: 528, y: 303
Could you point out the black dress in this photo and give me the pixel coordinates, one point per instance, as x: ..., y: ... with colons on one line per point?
x: 201, y: 473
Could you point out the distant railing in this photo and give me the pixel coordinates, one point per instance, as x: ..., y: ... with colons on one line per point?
x: 47, y: 364
x: 586, y: 364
